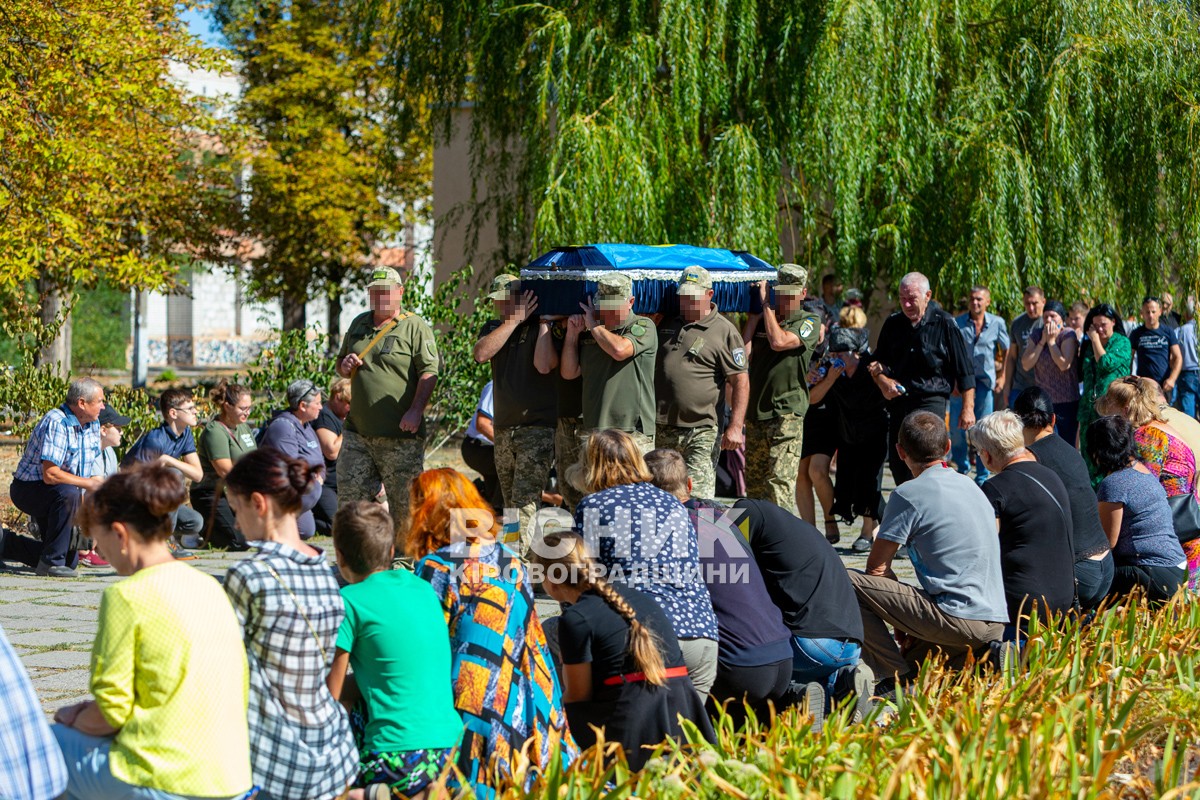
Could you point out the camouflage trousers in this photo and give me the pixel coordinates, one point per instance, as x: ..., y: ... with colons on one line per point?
x: 367, y: 461
x: 773, y: 459
x: 698, y: 446
x: 524, y: 456
x: 566, y: 453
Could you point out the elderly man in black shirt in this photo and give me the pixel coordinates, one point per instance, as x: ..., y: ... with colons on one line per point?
x: 920, y: 358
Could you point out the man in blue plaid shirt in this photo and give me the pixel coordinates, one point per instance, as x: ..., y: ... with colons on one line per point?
x: 49, y: 482
x: 31, y: 765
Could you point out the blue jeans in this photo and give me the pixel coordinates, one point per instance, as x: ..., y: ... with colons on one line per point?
x: 1186, y: 390
x: 820, y: 659
x: 984, y: 403
x: 89, y: 774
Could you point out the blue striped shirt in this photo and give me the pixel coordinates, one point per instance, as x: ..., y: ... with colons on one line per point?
x: 31, y: 765
x: 63, y: 440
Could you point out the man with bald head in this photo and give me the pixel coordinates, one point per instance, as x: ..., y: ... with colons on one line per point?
x: 920, y: 359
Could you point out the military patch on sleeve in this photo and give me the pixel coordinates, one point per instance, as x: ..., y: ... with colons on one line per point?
x: 637, y: 329
x: 739, y: 356
x: 807, y: 328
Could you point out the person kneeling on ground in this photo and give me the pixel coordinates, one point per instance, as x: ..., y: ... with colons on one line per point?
x: 173, y: 445
x: 754, y: 655
x: 400, y: 698
x: 623, y: 671
x: 1135, y: 515
x: 807, y: 581
x: 287, y: 599
x: 1093, y: 558
x: 169, y: 671
x: 645, y: 536
x: 949, y: 527
x: 1033, y: 516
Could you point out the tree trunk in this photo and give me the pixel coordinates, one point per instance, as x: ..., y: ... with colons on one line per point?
x: 333, y: 321
x: 54, y: 311
x: 295, y: 315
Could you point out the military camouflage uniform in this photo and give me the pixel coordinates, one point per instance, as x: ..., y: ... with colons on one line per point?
x: 698, y: 446
x: 367, y: 461
x: 383, y: 388
x: 779, y: 400
x: 695, y: 361
x: 773, y: 459
x: 524, y: 404
x: 566, y: 453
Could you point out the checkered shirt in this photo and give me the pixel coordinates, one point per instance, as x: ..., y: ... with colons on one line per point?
x: 300, y: 740
x: 60, y: 439
x: 31, y: 765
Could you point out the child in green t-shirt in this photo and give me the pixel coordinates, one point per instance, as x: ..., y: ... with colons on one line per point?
x: 394, y: 636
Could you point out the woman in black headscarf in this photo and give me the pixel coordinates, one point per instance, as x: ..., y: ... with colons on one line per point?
x: 862, y: 424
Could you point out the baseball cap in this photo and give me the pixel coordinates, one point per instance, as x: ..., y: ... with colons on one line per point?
x: 502, y: 286
x: 384, y: 277
x: 791, y: 279
x: 694, y: 281
x: 109, y: 416
x: 613, y: 290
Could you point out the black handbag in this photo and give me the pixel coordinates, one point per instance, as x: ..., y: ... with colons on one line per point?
x: 1185, y: 514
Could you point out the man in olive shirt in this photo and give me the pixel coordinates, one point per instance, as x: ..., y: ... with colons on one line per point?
x: 523, y: 400
x: 391, y: 358
x: 699, y: 351
x: 780, y: 343
x: 614, y: 350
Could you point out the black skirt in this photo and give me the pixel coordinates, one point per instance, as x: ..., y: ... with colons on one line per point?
x: 639, y: 716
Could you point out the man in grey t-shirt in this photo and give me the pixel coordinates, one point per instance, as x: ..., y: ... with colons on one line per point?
x: 1016, y: 378
x: 949, y: 528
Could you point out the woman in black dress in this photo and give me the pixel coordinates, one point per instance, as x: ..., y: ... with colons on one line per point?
x: 623, y: 670
x: 862, y: 424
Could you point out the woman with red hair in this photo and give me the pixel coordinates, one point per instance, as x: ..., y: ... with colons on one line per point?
x: 505, y: 685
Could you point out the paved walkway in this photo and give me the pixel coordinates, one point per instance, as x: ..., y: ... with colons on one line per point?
x: 51, y: 621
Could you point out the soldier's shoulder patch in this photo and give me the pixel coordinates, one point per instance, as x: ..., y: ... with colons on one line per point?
x: 808, y: 327
x: 739, y: 356
x: 558, y: 332
x: 637, y: 329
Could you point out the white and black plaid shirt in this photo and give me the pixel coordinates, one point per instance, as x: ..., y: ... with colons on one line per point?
x: 290, y: 608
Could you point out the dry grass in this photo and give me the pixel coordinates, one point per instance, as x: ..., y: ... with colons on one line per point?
x: 1108, y: 711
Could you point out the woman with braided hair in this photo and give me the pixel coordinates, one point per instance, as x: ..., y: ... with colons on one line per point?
x: 623, y: 670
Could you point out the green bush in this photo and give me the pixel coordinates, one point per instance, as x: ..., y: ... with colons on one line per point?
x: 460, y: 379
x: 100, y: 330
x: 291, y: 356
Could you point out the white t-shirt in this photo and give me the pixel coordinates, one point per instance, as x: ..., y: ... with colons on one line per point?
x: 484, y: 407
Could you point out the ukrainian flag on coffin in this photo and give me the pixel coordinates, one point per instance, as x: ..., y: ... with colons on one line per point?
x: 564, y: 277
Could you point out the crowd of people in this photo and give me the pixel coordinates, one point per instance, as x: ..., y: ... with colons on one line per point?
x: 367, y: 680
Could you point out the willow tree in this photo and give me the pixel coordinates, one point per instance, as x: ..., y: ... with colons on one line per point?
x: 1003, y: 141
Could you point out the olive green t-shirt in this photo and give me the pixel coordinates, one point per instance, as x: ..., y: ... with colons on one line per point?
x: 694, y: 361
x: 217, y: 441
x: 383, y: 388
x: 779, y: 379
x: 521, y: 396
x: 620, y: 394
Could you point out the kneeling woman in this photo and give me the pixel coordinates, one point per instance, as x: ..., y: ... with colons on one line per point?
x: 168, y: 646
x: 622, y: 667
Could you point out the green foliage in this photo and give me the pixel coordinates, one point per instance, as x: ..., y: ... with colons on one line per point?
x: 27, y: 392
x: 1106, y: 710
x: 1003, y: 142
x: 330, y: 181
x: 457, y: 311
x: 293, y: 356
x: 96, y: 181
x: 100, y: 329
